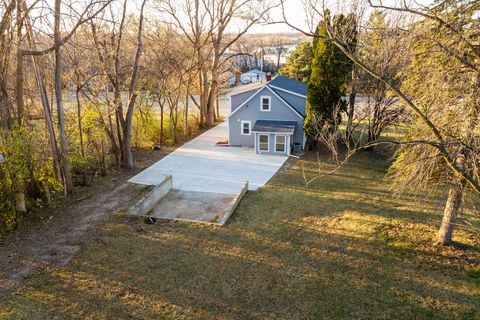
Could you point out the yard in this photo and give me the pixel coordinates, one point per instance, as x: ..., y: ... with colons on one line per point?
x: 343, y: 248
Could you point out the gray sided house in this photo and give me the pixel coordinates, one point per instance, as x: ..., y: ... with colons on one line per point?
x: 269, y: 117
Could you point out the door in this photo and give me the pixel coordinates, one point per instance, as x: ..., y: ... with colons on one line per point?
x: 263, y: 143
x: 280, y: 143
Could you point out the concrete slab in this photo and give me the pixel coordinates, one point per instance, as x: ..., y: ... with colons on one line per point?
x: 152, y: 195
x: 194, y: 206
x: 201, y: 166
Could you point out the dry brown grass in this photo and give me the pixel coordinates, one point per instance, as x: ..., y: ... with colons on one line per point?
x: 342, y: 249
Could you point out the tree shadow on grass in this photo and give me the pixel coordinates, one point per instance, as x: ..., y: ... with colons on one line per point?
x: 325, y: 253
x: 180, y: 270
x: 257, y: 206
x: 188, y: 272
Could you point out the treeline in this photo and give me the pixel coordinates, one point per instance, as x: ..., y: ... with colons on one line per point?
x: 81, y: 84
x: 415, y: 68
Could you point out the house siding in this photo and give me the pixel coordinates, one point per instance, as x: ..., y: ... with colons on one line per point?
x: 237, y: 99
x: 251, y: 112
x: 297, y: 102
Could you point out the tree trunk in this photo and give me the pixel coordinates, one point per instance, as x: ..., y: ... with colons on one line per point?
x: 351, y: 107
x: 187, y: 100
x: 127, y: 134
x: 20, y: 202
x: 205, y: 97
x: 80, y: 131
x: 211, y: 106
x: 202, y: 72
x: 350, y: 114
x: 217, y: 103
x: 48, y: 195
x: 45, y: 103
x: 452, y: 208
x: 119, y: 129
x: 212, y: 95
x: 172, y: 127
x: 201, y: 119
x: 161, y: 124
x: 104, y: 169
x: 127, y: 125
x: 5, y: 118
x: 110, y: 133
x: 19, y: 90
x: 49, y: 122
x: 175, y: 140
x: 455, y: 198
x: 58, y: 96
x: 374, y: 127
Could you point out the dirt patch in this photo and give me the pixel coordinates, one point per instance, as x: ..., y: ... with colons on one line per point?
x: 63, y: 230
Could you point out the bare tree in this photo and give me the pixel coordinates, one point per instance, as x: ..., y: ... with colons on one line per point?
x: 59, y: 99
x: 132, y: 96
x: 170, y: 76
x: 109, y: 54
x: 459, y: 151
x: 207, y: 29
x: 5, y: 45
x: 23, y: 14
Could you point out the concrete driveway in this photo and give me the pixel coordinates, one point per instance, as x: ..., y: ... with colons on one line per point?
x: 201, y: 166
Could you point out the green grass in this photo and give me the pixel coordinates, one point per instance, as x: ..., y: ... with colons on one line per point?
x: 344, y: 248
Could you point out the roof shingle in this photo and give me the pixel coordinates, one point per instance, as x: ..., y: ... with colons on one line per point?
x: 289, y: 84
x: 274, y: 126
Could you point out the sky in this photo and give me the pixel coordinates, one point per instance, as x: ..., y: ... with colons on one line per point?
x: 295, y: 10
x: 296, y: 14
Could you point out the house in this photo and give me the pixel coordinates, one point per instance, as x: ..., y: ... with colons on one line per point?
x: 269, y: 117
x: 228, y: 79
x: 251, y: 76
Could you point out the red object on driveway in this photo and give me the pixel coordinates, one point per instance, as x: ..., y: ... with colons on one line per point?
x: 222, y: 143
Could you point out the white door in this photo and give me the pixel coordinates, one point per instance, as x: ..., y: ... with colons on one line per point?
x: 280, y: 143
x: 263, y: 143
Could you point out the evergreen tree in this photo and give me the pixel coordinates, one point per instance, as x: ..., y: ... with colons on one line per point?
x: 298, y: 64
x: 330, y: 71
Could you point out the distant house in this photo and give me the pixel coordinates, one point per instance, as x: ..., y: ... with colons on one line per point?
x: 252, y: 76
x: 228, y: 80
x: 269, y: 117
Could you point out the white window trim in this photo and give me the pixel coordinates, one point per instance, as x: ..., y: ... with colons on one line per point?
x: 269, y: 103
x: 284, y: 143
x: 289, y: 145
x: 268, y: 142
x: 249, y: 128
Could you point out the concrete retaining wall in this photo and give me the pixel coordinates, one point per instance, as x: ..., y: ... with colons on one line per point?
x: 234, y: 203
x: 144, y: 205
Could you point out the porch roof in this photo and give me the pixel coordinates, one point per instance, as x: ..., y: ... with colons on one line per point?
x: 274, y: 126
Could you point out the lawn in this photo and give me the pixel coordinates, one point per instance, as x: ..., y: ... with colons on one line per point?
x: 343, y: 248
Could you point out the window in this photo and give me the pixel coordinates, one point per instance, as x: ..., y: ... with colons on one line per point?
x: 280, y: 142
x: 265, y: 103
x: 246, y: 125
x: 263, y: 142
